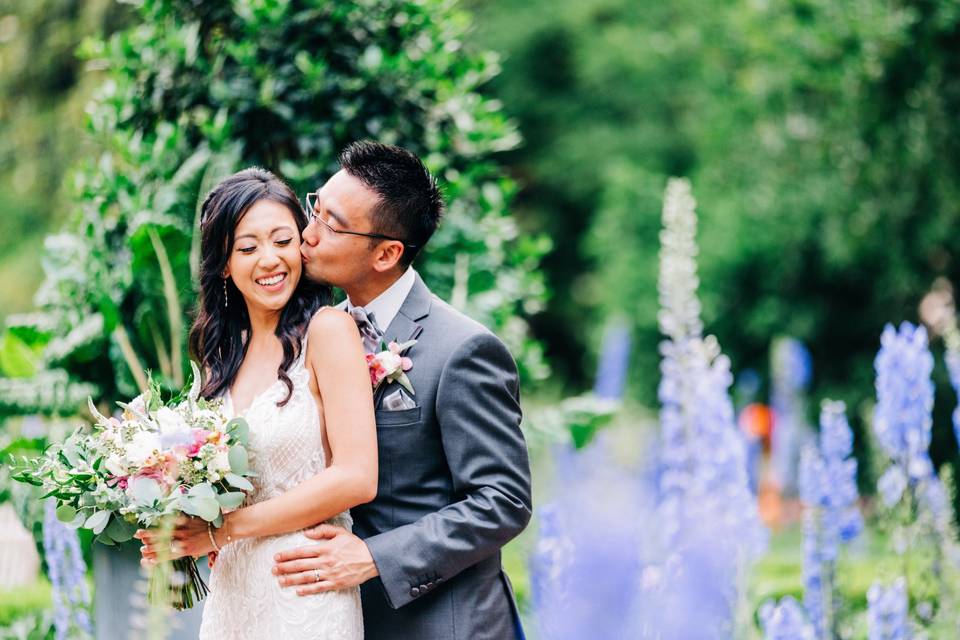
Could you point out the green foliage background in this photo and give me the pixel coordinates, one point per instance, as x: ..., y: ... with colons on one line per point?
x: 193, y: 91
x: 819, y: 137
x: 822, y: 143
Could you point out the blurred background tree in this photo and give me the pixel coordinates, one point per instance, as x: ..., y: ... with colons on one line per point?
x: 196, y: 91
x: 818, y: 137
x: 43, y: 89
x: 820, y: 142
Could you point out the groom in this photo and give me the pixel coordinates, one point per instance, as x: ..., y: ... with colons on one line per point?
x: 454, y: 481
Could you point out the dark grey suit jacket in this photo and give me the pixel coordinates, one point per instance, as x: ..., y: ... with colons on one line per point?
x: 454, y: 484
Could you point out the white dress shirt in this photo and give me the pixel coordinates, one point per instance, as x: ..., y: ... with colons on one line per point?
x: 386, y: 305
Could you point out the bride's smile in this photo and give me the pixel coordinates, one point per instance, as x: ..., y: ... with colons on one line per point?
x: 265, y: 264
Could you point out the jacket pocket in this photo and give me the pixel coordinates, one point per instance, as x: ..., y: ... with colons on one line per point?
x: 397, y: 418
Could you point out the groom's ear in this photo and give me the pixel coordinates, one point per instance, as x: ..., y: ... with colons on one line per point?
x: 387, y: 255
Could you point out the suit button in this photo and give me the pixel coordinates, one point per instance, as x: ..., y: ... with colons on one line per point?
x: 415, y: 592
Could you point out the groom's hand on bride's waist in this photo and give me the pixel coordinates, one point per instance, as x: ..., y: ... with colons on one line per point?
x: 339, y: 560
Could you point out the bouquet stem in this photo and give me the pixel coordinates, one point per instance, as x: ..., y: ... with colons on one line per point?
x: 178, y: 584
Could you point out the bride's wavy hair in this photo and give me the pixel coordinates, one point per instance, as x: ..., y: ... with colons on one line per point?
x: 220, y: 331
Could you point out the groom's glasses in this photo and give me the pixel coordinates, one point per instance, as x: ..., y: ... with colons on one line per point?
x: 311, y: 199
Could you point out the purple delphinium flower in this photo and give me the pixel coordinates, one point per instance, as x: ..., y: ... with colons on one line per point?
x: 887, y: 611
x: 784, y: 621
x: 952, y: 358
x: 703, y: 483
x: 828, y: 489
x: 67, y: 572
x: 791, y: 370
x: 903, y: 416
x: 614, y: 361
x: 585, y: 567
x: 842, y: 519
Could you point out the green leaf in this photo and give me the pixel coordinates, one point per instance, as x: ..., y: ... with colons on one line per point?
x: 103, y: 538
x: 231, y: 499
x: 17, y: 359
x: 97, y: 522
x: 206, y: 508
x: 238, y: 482
x: 239, y: 461
x: 77, y: 521
x: 202, y: 490
x: 239, y: 429
x: 119, y: 530
x: 66, y: 513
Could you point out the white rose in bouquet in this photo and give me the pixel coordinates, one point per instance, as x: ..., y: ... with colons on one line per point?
x: 143, y: 445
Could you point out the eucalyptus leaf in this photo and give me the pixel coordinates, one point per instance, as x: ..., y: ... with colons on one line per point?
x: 240, y: 429
x: 238, y: 482
x: 77, y: 521
x: 104, y: 538
x: 231, y: 499
x: 206, y: 508
x: 120, y: 530
x: 66, y: 513
x: 238, y: 459
x: 202, y: 490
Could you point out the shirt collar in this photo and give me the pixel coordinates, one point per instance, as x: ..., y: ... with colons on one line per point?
x: 386, y: 305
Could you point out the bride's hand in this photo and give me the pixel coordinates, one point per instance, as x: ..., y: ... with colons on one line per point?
x: 189, y: 538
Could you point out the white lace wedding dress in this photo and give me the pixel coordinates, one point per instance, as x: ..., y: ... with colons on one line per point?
x: 246, y: 601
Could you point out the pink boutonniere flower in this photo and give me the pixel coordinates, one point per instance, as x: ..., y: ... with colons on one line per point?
x: 391, y: 365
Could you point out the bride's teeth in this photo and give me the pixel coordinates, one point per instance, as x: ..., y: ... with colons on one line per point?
x: 269, y: 281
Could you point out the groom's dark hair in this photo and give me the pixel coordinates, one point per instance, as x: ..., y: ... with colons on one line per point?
x: 410, y: 204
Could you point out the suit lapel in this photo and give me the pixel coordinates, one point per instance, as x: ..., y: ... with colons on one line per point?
x: 405, y: 326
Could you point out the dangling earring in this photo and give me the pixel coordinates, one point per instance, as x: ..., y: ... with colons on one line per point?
x: 226, y: 295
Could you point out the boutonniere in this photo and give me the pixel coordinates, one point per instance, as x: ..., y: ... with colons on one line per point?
x: 391, y: 365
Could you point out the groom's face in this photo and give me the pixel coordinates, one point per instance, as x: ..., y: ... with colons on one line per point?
x: 339, y: 259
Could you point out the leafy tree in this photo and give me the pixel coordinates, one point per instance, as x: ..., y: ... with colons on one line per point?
x: 818, y: 141
x: 197, y: 90
x: 43, y: 89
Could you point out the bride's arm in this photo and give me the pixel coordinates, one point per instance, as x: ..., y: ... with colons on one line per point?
x: 335, y: 354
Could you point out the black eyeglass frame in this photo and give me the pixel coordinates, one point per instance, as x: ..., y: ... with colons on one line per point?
x: 312, y: 212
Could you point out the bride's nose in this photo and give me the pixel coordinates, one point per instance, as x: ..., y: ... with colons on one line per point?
x: 270, y: 259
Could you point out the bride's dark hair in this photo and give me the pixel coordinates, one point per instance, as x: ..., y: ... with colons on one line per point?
x: 219, y: 335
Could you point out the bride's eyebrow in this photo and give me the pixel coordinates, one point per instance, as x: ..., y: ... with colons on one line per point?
x: 273, y: 231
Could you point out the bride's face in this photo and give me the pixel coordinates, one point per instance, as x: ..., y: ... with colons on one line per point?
x: 265, y: 263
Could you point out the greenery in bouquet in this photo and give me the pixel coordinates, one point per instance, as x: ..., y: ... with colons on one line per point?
x: 141, y: 469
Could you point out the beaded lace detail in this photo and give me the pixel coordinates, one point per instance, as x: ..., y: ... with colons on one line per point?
x: 246, y: 601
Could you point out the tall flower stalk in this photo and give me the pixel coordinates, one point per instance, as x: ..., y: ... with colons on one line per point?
x: 828, y: 489
x: 887, y: 611
x: 910, y: 488
x: 68, y: 577
x: 785, y: 621
x: 703, y: 473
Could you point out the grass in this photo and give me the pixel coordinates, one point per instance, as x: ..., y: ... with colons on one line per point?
x: 15, y: 603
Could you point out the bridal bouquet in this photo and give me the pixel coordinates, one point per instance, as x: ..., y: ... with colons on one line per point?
x: 145, y: 467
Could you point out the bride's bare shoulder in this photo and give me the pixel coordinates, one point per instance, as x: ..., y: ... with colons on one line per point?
x: 330, y: 325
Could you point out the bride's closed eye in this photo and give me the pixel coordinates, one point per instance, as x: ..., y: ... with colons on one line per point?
x: 282, y: 243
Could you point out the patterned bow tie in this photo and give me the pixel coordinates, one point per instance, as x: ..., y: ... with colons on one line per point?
x: 369, y: 331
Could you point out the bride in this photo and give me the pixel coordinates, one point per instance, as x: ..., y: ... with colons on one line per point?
x: 296, y: 371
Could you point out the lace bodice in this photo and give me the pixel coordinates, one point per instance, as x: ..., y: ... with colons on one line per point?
x: 245, y: 601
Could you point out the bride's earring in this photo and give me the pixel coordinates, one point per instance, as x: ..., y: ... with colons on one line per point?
x: 226, y: 295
